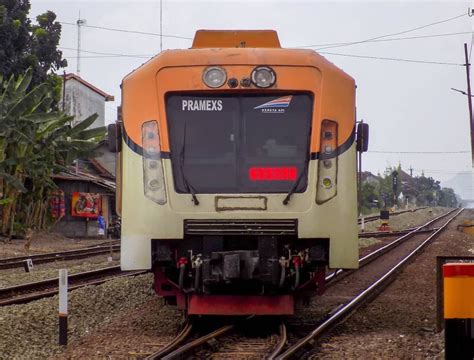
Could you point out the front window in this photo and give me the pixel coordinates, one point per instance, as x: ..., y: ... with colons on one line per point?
x: 239, y: 143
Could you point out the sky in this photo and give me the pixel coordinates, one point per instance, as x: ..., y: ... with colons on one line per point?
x: 410, y: 107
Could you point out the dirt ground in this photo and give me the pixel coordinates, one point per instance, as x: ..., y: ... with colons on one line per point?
x: 401, y: 322
x: 44, y: 242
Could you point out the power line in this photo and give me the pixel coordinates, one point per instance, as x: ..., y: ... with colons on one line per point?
x: 403, y: 38
x: 328, y: 46
x: 392, y: 59
x: 127, y: 31
x: 107, y: 53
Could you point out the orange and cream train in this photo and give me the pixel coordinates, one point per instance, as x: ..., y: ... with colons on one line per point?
x: 236, y: 173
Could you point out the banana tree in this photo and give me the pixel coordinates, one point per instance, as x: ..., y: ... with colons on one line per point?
x: 33, y: 145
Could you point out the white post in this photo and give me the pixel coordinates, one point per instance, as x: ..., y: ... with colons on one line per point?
x: 362, y: 224
x: 63, y: 284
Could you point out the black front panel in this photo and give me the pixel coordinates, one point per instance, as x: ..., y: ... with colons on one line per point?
x: 239, y: 144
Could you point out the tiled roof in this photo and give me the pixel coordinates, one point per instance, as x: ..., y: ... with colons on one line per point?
x: 89, y: 85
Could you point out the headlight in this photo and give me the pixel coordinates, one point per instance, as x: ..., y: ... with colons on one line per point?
x: 263, y: 77
x: 327, y: 164
x: 153, y: 177
x: 214, y: 76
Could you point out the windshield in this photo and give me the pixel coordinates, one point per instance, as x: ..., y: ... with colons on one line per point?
x: 239, y: 143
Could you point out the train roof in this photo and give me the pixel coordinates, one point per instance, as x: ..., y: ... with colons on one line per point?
x: 225, y: 47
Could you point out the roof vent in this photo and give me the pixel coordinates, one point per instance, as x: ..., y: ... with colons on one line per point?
x: 236, y: 39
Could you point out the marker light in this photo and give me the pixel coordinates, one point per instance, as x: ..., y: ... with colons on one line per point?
x: 263, y: 77
x: 327, y: 182
x: 153, y: 178
x: 214, y: 76
x: 327, y: 164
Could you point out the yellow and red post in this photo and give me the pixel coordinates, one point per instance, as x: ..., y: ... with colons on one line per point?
x: 459, y: 310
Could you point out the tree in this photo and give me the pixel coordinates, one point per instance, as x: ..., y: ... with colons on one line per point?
x: 33, y: 145
x: 25, y: 45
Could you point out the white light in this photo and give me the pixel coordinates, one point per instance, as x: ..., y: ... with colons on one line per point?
x: 154, y: 184
x: 151, y: 150
x: 328, y: 149
x: 153, y: 176
x: 214, y: 77
x: 263, y: 77
x: 327, y: 164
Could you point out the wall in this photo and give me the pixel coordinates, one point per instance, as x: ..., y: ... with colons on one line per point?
x: 106, y: 158
x: 81, y: 102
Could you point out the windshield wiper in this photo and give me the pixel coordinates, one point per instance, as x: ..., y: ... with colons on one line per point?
x: 296, y: 184
x: 187, y: 184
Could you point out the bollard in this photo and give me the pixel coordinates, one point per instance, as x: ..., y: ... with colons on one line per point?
x: 63, y: 307
x: 459, y: 310
x: 28, y: 265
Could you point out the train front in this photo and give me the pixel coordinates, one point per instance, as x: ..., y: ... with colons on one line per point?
x: 237, y: 173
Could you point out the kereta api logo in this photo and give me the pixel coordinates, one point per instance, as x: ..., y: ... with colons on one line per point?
x: 275, y: 106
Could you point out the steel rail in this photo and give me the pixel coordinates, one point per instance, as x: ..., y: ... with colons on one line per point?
x: 390, y: 233
x: 281, y: 343
x: 14, y: 262
x: 384, y: 249
x: 197, y: 342
x: 182, y: 335
x: 363, y: 297
x: 376, y: 217
x: 23, y: 293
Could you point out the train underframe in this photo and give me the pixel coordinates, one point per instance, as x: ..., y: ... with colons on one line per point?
x: 239, y: 274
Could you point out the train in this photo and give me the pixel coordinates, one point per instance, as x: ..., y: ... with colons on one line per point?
x: 236, y: 173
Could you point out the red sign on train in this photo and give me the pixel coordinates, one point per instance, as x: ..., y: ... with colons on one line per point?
x: 282, y: 173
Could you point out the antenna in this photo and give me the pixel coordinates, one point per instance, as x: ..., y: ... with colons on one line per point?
x: 79, y: 23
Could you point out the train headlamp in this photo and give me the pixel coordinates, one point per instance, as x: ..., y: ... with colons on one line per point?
x: 153, y: 176
x: 327, y: 164
x: 263, y: 77
x: 214, y: 76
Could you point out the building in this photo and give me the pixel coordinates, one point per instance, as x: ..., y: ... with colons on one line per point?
x: 75, y: 220
x: 89, y: 187
x: 82, y: 99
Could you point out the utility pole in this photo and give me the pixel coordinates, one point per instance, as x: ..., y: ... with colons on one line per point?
x: 79, y: 23
x: 469, y: 100
x: 411, y: 171
x: 161, y: 25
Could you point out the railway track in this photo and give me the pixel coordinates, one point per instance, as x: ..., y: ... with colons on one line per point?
x: 341, y: 312
x: 20, y: 294
x: 376, y: 217
x: 237, y: 346
x: 240, y: 346
x: 19, y: 261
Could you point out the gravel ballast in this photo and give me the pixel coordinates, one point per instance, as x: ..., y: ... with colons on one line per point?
x: 18, y: 276
x: 30, y: 331
x: 408, y: 220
